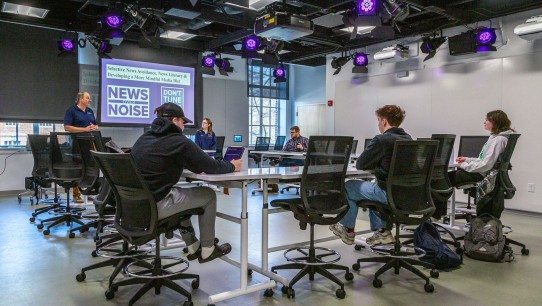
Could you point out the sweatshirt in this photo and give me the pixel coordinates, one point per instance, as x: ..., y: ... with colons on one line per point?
x: 491, y: 151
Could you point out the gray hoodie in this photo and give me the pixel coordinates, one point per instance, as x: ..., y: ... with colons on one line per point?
x: 494, y: 146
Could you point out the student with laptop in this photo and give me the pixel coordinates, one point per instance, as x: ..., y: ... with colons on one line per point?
x: 161, y: 154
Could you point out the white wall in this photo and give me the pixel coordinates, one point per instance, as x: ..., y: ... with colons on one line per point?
x: 452, y: 95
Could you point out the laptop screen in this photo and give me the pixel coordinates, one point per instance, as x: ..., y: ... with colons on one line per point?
x: 234, y: 153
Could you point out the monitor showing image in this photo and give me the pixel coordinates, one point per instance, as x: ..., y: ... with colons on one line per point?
x: 237, y: 138
x: 130, y: 91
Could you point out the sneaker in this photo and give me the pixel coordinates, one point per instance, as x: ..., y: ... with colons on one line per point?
x: 341, y: 231
x: 380, y: 238
x: 78, y: 200
x: 219, y: 251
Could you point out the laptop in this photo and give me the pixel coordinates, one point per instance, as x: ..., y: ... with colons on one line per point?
x: 234, y: 153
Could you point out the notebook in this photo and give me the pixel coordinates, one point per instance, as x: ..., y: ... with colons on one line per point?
x: 234, y: 153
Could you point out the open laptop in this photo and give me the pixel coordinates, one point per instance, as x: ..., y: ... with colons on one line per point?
x: 234, y: 153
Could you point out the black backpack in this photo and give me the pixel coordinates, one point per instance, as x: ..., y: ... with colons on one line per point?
x: 485, y: 240
x: 427, y: 237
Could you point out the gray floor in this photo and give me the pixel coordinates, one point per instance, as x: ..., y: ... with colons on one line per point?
x: 40, y: 270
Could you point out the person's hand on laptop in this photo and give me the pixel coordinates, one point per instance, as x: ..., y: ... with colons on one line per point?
x: 237, y: 164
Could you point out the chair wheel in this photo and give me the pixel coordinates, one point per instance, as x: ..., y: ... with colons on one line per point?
x: 32, y: 219
x: 188, y: 303
x: 290, y: 293
x: 254, y: 192
x: 282, y: 191
x: 434, y: 273
x: 81, y: 277
x: 185, y: 250
x: 109, y: 294
x: 349, y: 276
x: 34, y: 214
x: 284, y: 289
x: 217, y: 240
x: 19, y: 199
x: 357, y: 247
x: 46, y: 232
x: 377, y: 283
x: 268, y: 293
x: 71, y: 235
x: 429, y: 288
x: 524, y: 251
x: 249, y: 272
x: 195, y: 284
x: 94, y: 254
x: 356, y: 267
x: 40, y: 226
x: 341, y: 294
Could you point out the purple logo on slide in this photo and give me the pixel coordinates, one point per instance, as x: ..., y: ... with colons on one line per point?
x: 172, y: 95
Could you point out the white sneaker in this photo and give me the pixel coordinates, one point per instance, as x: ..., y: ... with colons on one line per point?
x: 340, y: 230
x: 380, y: 238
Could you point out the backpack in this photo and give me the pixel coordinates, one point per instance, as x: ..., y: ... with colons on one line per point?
x: 427, y: 237
x: 485, y: 240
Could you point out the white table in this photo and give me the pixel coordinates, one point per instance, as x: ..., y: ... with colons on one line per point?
x: 293, y: 154
x: 241, y: 180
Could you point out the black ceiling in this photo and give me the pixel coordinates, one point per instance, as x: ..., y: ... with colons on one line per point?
x: 221, y: 25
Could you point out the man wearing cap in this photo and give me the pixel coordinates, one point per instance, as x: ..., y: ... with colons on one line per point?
x: 161, y: 154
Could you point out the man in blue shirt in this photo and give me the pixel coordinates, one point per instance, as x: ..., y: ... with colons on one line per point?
x: 80, y: 118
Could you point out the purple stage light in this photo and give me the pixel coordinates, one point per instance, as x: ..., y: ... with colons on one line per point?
x: 279, y: 72
x: 67, y: 45
x: 366, y: 7
x: 252, y: 43
x: 486, y: 36
x: 360, y: 59
x: 113, y: 21
x: 208, y: 61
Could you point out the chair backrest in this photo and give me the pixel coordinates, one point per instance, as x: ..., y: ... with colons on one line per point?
x: 366, y: 143
x: 86, y: 142
x: 279, y: 143
x: 503, y: 165
x: 324, y: 172
x: 136, y: 217
x: 65, y: 162
x: 471, y: 146
x: 444, y: 151
x: 409, y: 181
x: 40, y: 146
x: 262, y: 144
x: 219, y: 147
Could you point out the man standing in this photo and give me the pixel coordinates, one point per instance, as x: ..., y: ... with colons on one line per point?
x: 80, y: 118
x: 161, y: 154
x: 297, y: 143
x: 377, y: 156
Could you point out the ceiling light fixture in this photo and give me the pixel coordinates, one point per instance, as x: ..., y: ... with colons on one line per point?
x: 338, y: 62
x: 280, y: 74
x: 360, y: 63
x: 24, y: 10
x: 207, y: 64
x: 430, y: 45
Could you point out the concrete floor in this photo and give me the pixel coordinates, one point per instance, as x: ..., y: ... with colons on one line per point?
x: 40, y: 270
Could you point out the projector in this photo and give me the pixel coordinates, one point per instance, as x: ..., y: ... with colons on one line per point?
x: 392, y: 54
x: 531, y: 29
x: 283, y: 26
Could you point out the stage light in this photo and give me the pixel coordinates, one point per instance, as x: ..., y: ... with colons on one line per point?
x: 101, y: 46
x: 66, y: 45
x: 360, y: 63
x: 280, y: 74
x: 338, y: 63
x: 366, y: 7
x: 485, y: 38
x: 112, y: 20
x: 224, y: 66
x: 250, y: 47
x: 207, y: 64
x: 431, y: 45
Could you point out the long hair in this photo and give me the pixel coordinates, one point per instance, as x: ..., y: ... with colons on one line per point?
x: 500, y: 121
x: 210, y: 127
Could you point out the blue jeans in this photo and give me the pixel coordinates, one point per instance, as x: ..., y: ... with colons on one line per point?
x: 288, y: 162
x: 357, y: 190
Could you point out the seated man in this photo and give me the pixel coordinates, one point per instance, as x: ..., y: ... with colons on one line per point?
x: 376, y: 156
x: 161, y: 154
x: 297, y: 143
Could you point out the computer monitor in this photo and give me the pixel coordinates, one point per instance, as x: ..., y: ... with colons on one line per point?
x: 191, y: 137
x: 471, y: 146
x: 237, y: 138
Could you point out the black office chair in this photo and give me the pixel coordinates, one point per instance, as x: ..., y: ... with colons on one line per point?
x: 137, y: 222
x: 40, y: 147
x: 323, y: 201
x: 409, y: 202
x: 220, y: 147
x: 65, y: 169
x: 262, y: 144
x: 441, y: 188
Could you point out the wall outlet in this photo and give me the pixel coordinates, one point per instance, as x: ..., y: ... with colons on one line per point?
x: 530, y: 187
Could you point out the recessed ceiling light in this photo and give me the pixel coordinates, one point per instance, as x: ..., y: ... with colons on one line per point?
x: 177, y: 35
x: 24, y: 10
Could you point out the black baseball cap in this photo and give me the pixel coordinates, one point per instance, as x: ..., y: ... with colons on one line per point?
x: 171, y: 110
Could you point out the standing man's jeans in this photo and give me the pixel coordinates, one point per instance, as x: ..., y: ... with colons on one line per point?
x: 289, y: 162
x: 181, y: 199
x: 357, y: 190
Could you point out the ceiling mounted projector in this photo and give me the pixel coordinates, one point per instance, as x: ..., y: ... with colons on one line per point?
x: 392, y: 54
x: 531, y: 29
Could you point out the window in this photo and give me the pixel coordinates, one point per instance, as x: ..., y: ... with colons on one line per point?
x: 13, y: 134
x: 265, y: 98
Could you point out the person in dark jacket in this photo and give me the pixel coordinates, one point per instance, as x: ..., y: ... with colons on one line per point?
x: 161, y: 154
x: 377, y: 156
